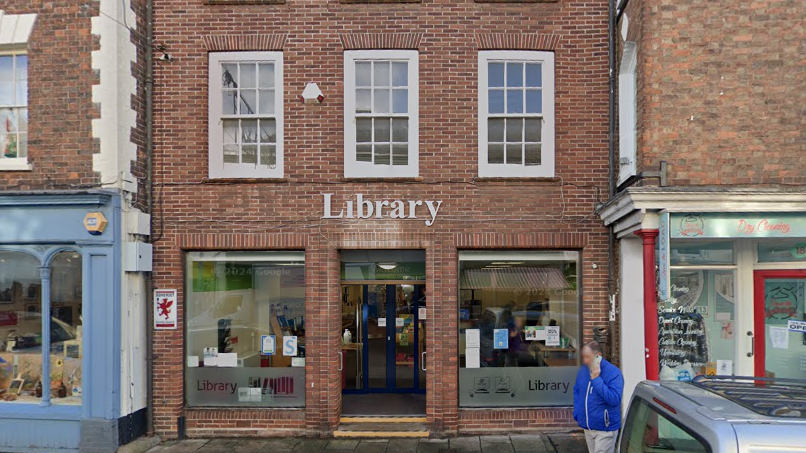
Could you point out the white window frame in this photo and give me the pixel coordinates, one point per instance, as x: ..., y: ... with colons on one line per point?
x: 217, y: 167
x: 16, y: 163
x: 628, y: 112
x: 546, y: 167
x: 355, y: 169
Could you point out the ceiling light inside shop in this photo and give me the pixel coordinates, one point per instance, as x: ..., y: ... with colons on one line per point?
x: 387, y: 266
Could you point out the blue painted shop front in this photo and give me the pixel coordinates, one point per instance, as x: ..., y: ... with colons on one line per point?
x: 51, y: 264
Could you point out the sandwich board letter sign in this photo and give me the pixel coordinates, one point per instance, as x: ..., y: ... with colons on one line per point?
x: 165, y: 303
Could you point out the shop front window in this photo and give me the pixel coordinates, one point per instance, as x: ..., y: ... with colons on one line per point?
x: 22, y: 324
x: 245, y: 331
x: 781, y: 251
x: 519, y: 328
x: 696, y: 325
x: 66, y: 349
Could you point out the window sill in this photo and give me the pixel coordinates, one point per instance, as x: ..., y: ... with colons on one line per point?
x: 381, y: 179
x: 376, y: 2
x: 33, y: 411
x: 15, y: 165
x: 244, y: 180
x: 517, y: 178
x: 243, y: 2
x: 245, y: 408
x: 517, y: 1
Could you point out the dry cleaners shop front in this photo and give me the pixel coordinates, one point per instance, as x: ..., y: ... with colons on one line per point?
x: 731, y: 294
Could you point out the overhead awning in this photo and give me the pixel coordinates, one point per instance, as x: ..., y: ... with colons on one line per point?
x: 514, y: 278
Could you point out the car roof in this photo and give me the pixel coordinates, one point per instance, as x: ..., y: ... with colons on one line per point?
x: 723, y: 399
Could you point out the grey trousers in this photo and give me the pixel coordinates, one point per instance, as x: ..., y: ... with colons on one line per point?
x: 601, y: 441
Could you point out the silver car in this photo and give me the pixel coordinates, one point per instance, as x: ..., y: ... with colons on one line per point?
x: 716, y: 415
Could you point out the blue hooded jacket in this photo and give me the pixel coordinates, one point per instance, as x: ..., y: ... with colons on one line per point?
x: 597, y: 402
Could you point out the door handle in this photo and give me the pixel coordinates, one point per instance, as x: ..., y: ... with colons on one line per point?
x: 752, y: 344
x: 422, y: 361
x: 341, y: 361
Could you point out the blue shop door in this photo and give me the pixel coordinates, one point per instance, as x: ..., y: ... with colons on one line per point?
x: 392, y: 341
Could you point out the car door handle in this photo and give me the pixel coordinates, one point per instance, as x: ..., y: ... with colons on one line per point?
x: 752, y: 344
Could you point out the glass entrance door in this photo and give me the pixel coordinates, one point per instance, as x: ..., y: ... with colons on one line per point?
x: 779, y: 347
x: 387, y: 326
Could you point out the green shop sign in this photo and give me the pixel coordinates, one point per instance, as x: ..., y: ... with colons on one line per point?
x: 383, y: 271
x: 737, y: 225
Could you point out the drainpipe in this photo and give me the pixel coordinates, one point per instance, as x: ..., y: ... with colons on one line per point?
x: 149, y: 124
x: 612, y: 287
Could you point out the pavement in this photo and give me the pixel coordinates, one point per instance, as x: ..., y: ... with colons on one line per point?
x: 516, y: 443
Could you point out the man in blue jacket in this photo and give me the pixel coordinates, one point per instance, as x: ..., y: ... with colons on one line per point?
x: 597, y: 400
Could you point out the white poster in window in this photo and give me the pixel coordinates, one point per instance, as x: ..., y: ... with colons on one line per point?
x: 472, y: 338
x: 268, y: 345
x: 552, y: 335
x: 165, y: 309
x: 779, y: 337
x: 472, y: 358
x: 290, y: 346
x: 210, y: 357
x: 228, y: 359
x: 422, y: 313
x: 400, y: 322
x: 724, y: 367
x: 535, y: 333
x: 297, y: 361
x: 193, y: 361
x: 381, y: 322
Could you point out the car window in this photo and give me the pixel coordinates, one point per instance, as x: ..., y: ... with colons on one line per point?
x: 649, y: 431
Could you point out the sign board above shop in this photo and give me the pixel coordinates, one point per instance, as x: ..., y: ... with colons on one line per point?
x: 359, y: 207
x: 737, y: 225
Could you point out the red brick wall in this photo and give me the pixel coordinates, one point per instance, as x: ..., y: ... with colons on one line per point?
x: 556, y: 213
x: 722, y: 89
x: 60, y: 79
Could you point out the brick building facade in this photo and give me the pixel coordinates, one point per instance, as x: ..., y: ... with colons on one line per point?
x: 201, y: 219
x: 72, y: 114
x: 711, y: 140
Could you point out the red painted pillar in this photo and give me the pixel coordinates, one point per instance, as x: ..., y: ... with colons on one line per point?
x: 650, y: 305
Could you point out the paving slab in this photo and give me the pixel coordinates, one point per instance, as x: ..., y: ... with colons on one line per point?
x: 280, y: 444
x: 432, y: 445
x: 465, y: 444
x: 215, y: 445
x: 569, y: 443
x: 531, y: 443
x: 182, y: 446
x: 309, y: 445
x: 372, y: 446
x: 342, y: 444
x: 496, y: 444
x: 403, y: 446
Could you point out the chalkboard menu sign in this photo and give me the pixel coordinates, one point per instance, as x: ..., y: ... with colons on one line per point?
x: 682, y: 338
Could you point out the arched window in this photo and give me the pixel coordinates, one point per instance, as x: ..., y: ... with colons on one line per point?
x: 20, y: 327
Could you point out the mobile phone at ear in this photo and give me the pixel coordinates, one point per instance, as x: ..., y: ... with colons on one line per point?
x: 598, y: 360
